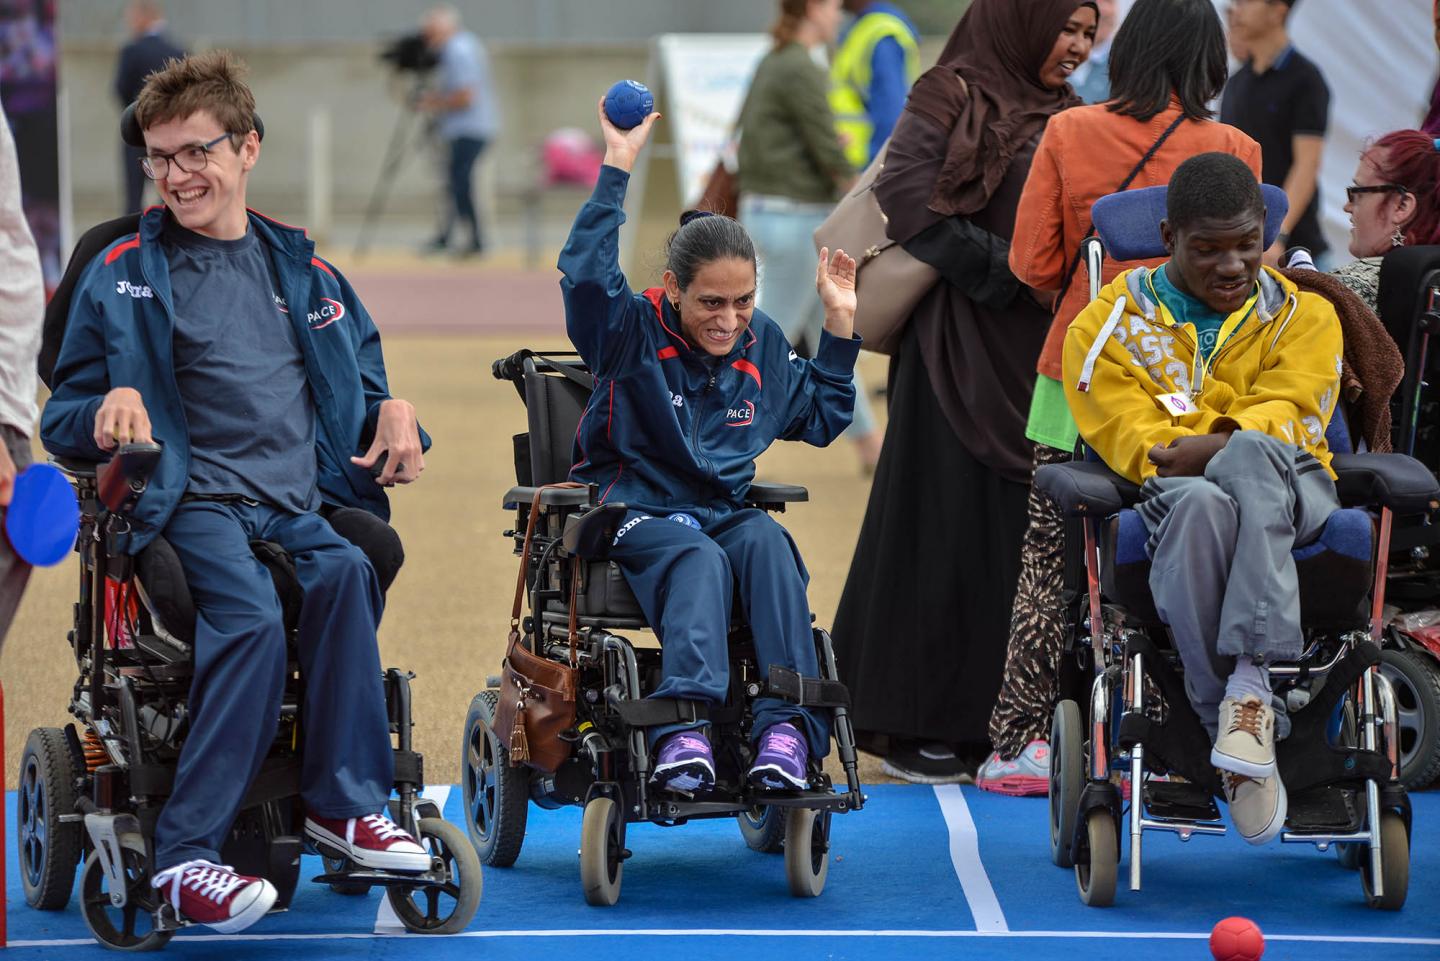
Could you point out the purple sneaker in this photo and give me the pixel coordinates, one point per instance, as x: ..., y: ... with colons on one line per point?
x: 684, y: 763
x: 780, y: 762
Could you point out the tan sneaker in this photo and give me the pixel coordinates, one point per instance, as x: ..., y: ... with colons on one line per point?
x: 1257, y: 805
x: 1246, y: 744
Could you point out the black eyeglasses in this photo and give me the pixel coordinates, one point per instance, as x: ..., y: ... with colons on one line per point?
x: 191, y: 159
x: 1355, y: 190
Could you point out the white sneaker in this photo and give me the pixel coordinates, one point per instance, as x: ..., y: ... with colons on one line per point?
x: 1257, y: 805
x: 1246, y: 744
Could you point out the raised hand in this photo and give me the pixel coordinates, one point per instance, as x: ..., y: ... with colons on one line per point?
x: 835, y: 283
x: 623, y: 146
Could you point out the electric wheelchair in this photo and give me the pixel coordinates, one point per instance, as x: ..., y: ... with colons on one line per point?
x: 93, y: 790
x: 1409, y: 306
x: 1133, y: 720
x: 608, y: 767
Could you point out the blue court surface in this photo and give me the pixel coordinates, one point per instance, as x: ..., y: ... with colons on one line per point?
x: 920, y: 873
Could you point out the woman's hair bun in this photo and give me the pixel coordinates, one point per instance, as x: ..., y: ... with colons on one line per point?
x: 690, y: 215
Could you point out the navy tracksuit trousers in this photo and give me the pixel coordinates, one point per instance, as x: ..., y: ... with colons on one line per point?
x: 685, y: 578
x: 240, y: 673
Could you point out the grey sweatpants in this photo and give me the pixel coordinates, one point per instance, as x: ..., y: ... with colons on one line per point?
x: 1221, y: 571
x: 13, y: 571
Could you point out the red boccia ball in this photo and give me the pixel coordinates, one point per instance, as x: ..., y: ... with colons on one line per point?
x: 1236, y: 939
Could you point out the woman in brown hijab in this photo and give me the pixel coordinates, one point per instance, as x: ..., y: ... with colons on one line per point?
x: 920, y: 632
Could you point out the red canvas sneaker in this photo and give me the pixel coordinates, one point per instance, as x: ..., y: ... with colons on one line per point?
x: 373, y: 841
x: 214, y: 895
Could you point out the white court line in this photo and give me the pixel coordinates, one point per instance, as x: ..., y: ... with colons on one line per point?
x: 965, y: 855
x: 386, y: 921
x: 750, y: 933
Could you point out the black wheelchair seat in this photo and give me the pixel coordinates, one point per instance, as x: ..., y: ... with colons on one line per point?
x: 162, y: 580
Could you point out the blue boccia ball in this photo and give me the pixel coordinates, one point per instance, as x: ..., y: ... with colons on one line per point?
x: 627, y: 103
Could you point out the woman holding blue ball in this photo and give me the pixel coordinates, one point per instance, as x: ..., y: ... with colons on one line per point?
x: 692, y: 383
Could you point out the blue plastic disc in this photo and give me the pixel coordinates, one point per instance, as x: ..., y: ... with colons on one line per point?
x: 43, y: 517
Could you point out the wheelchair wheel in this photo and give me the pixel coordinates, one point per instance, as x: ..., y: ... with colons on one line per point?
x: 1416, y: 679
x: 763, y: 829
x: 602, y: 852
x: 1095, y: 876
x: 496, y: 794
x: 1067, y: 779
x: 441, y: 908
x: 49, y: 848
x: 807, y: 851
x: 131, y: 928
x: 347, y: 888
x: 1394, y: 864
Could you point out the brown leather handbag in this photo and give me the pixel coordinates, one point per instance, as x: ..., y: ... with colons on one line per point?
x: 537, y: 695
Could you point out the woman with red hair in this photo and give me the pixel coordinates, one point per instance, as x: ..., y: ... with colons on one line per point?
x: 1394, y: 202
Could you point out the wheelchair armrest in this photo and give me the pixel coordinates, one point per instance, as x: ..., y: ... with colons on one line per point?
x: 121, y: 481
x: 523, y: 497
x: 1086, y: 488
x: 589, y: 535
x: 1397, y: 481
x: 763, y: 492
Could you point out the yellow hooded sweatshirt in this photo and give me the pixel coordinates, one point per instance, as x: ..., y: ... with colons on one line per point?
x: 1133, y: 379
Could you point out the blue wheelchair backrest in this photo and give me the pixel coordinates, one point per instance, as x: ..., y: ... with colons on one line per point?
x: 1129, y: 222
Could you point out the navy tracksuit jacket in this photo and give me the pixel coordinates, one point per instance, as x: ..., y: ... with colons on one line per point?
x: 669, y: 429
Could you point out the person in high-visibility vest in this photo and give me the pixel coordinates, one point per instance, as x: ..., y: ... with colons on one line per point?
x: 878, y: 60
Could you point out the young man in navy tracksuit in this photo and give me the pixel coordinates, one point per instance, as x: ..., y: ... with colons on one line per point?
x: 218, y: 334
x: 691, y: 385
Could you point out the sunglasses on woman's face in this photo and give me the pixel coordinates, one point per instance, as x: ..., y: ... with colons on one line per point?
x: 1354, y: 191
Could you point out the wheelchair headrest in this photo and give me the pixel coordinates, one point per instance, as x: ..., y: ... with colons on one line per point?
x: 1405, y: 282
x: 131, y: 133
x: 1129, y: 222
x: 57, y: 311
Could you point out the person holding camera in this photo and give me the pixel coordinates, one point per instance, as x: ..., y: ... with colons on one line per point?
x: 467, y: 117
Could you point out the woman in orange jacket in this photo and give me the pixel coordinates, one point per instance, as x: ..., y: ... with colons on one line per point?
x: 1167, y: 64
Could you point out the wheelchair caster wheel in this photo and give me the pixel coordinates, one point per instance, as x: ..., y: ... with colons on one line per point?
x: 131, y: 928
x: 1394, y: 865
x: 347, y: 888
x: 602, y: 852
x: 807, y: 851
x: 49, y: 847
x: 448, y: 906
x: 496, y: 794
x: 1097, y: 870
x: 1067, y: 779
x: 763, y: 829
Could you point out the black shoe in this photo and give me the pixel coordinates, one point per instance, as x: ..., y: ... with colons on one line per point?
x: 926, y: 764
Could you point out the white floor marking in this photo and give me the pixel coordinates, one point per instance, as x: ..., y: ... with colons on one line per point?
x: 965, y: 855
x: 386, y: 922
x: 750, y: 933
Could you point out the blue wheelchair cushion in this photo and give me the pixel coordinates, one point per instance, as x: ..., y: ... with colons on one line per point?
x: 1348, y: 533
x: 1334, y: 571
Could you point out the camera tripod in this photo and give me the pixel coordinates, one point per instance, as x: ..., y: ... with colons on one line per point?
x: 404, y: 138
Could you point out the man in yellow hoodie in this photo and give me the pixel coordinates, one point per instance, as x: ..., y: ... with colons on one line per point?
x: 1210, y: 381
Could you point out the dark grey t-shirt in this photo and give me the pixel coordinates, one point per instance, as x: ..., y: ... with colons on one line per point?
x: 241, y: 373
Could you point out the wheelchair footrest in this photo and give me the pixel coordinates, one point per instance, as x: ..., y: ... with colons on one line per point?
x: 803, y: 691
x: 1330, y: 809
x: 1180, y: 801
x: 655, y: 711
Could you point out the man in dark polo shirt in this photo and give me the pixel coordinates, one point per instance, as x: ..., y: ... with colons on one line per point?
x: 1280, y: 99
